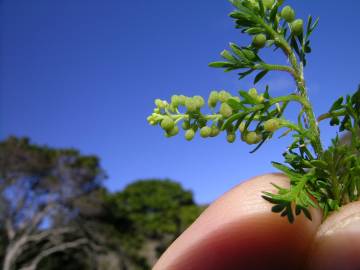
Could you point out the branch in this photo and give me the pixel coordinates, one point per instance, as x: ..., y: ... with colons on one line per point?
x: 9, y: 229
x: 49, y: 233
x: 274, y: 67
x: 31, y: 224
x: 331, y: 114
x: 45, y: 253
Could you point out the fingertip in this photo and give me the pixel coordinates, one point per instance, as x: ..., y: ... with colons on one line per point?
x: 337, y: 242
x: 239, y: 231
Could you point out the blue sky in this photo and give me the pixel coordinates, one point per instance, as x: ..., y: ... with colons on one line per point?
x: 84, y: 74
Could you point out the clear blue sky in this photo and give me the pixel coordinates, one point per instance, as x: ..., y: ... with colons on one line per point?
x: 84, y: 74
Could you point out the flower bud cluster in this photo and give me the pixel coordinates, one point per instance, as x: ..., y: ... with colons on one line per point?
x: 288, y: 14
x: 254, y: 94
x: 167, y: 116
x: 254, y: 4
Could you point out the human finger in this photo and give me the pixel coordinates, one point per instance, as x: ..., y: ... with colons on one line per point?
x: 239, y: 231
x: 337, y: 242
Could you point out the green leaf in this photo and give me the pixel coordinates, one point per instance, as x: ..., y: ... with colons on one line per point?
x: 345, y: 123
x: 319, y: 164
x: 337, y: 104
x: 260, y: 75
x: 236, y: 105
x: 250, y: 55
x: 245, y: 73
x: 278, y: 208
x: 221, y: 65
x: 308, y: 28
x: 237, y: 51
x: 314, y: 25
x: 306, y: 213
x: 266, y: 93
x: 289, y: 172
x: 228, y: 56
x: 231, y: 119
x: 334, y: 121
x: 254, y: 30
x: 262, y: 9
x: 236, y: 3
x: 247, y: 98
x: 295, y: 46
x: 259, y: 145
x: 273, y: 13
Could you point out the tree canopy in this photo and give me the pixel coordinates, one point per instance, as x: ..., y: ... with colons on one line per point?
x: 57, y: 214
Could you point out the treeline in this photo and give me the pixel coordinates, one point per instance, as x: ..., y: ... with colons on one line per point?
x: 56, y: 213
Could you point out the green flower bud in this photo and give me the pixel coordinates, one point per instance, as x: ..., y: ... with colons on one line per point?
x: 231, y: 137
x: 214, y: 131
x: 174, y: 131
x: 224, y: 96
x: 288, y: 14
x: 181, y: 100
x: 259, y: 41
x: 175, y: 100
x: 260, y: 98
x: 199, y: 101
x: 297, y: 26
x: 213, y: 99
x: 271, y: 125
x: 185, y: 124
x: 253, y: 93
x: 189, y: 134
x: 190, y: 104
x: 172, y: 108
x: 268, y: 3
x: 252, y: 138
x: 160, y: 104
x: 225, y: 110
x: 242, y: 127
x: 167, y: 123
x: 156, y: 110
x: 205, y: 132
x: 150, y: 120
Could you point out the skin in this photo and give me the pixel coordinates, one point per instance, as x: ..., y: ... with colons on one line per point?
x: 238, y: 231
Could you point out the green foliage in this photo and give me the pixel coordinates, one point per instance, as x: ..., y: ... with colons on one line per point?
x: 146, y: 215
x: 329, y: 176
x: 153, y: 206
x: 41, y: 188
x: 155, y: 211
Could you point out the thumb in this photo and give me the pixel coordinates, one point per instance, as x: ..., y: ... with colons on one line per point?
x: 239, y: 231
x: 337, y: 242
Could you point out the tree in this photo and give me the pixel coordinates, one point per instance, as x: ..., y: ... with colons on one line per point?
x: 133, y: 226
x: 39, y: 189
x: 56, y: 214
x: 150, y: 214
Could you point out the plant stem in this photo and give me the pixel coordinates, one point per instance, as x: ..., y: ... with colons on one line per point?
x: 269, y: 67
x: 298, y: 76
x: 331, y: 114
